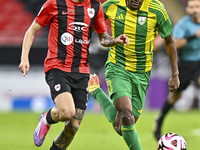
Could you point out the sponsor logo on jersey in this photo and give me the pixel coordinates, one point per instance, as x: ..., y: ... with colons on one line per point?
x: 65, y: 13
x: 82, y: 41
x: 66, y: 38
x: 78, y: 26
x: 91, y: 12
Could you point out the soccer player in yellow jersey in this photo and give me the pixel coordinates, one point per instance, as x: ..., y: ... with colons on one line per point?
x: 128, y: 68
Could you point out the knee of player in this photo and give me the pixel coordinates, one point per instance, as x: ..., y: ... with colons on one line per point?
x: 127, y: 117
x: 66, y: 115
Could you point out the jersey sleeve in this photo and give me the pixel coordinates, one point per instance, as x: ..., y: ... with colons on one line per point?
x: 100, y: 24
x: 106, y: 5
x: 164, y: 23
x: 45, y: 14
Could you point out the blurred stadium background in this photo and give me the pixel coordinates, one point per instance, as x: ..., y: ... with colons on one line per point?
x: 31, y: 93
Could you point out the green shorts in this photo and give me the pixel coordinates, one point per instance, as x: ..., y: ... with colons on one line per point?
x: 121, y: 82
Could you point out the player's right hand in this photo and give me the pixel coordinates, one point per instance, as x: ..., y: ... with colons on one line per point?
x: 24, y: 67
x: 174, y: 83
x: 122, y: 39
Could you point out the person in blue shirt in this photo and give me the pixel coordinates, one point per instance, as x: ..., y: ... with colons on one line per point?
x: 187, y: 39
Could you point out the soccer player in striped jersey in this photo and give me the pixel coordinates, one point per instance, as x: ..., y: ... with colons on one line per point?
x: 128, y: 68
x: 66, y: 66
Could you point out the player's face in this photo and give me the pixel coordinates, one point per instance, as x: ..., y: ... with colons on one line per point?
x: 193, y: 8
x: 134, y: 4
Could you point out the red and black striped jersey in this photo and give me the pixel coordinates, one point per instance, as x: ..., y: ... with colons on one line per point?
x: 70, y: 31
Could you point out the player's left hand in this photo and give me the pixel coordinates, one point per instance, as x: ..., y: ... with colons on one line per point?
x: 122, y: 39
x: 173, y: 83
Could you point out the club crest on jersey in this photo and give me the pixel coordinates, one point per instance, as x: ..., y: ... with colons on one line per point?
x: 57, y: 87
x: 141, y: 20
x: 91, y: 12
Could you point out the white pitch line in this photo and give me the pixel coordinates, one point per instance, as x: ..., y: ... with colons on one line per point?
x: 196, y: 132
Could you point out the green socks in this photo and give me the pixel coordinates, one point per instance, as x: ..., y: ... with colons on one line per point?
x: 129, y: 133
x: 131, y: 137
x: 105, y: 104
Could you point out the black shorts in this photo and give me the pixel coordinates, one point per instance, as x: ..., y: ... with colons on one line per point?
x: 74, y: 83
x: 188, y: 71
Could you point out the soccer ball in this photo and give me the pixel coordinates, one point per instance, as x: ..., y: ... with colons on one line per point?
x: 172, y: 141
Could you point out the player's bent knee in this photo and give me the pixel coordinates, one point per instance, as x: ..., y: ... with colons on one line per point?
x: 66, y: 115
x: 127, y: 118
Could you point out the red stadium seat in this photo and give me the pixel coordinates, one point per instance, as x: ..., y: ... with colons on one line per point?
x: 14, y: 21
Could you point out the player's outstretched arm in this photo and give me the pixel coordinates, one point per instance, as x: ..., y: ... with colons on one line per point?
x: 107, y: 41
x: 172, y: 53
x: 27, y: 42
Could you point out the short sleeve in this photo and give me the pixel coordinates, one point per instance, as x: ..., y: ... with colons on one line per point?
x: 106, y: 5
x: 164, y: 23
x: 45, y: 14
x: 100, y: 24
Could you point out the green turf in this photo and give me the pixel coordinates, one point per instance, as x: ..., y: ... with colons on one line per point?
x: 96, y: 133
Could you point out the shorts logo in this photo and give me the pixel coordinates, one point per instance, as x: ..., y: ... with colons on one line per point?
x: 57, y: 87
x: 140, y: 111
x: 110, y: 88
x: 66, y: 38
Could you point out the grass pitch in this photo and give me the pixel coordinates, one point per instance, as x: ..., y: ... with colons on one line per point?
x: 96, y: 133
